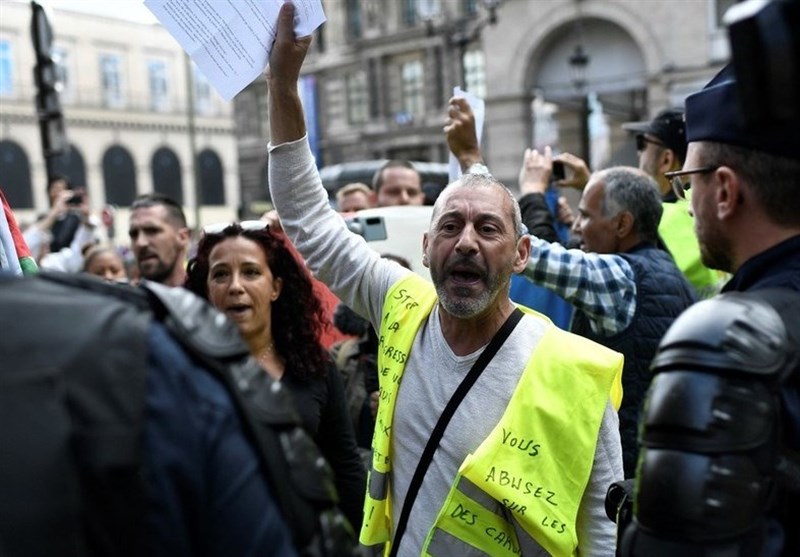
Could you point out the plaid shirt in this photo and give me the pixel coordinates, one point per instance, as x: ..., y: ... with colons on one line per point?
x: 600, y: 285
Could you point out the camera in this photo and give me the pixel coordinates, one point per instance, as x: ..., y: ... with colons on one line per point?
x: 76, y: 199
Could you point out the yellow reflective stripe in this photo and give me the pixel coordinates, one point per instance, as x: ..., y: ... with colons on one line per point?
x: 477, y: 526
x: 443, y: 544
x: 378, y: 484
x: 475, y: 493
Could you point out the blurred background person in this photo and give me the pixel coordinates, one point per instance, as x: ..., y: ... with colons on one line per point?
x: 65, y: 258
x: 397, y: 182
x: 353, y: 197
x: 63, y: 220
x: 248, y: 272
x: 105, y: 262
x: 159, y: 238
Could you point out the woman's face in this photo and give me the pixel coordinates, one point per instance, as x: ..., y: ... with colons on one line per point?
x: 107, y: 265
x: 240, y: 283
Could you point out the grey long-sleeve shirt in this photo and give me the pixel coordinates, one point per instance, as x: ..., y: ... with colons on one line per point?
x: 361, y: 279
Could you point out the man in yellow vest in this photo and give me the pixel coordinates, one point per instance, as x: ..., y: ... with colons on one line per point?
x: 522, y: 457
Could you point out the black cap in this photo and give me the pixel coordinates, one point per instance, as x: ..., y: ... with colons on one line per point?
x: 714, y: 114
x: 668, y: 126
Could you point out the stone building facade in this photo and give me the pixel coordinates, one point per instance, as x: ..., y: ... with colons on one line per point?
x: 381, y: 72
x: 125, y: 100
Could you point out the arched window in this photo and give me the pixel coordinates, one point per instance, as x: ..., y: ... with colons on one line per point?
x: 166, y: 169
x: 212, y: 183
x: 119, y: 176
x: 71, y: 165
x: 15, y: 175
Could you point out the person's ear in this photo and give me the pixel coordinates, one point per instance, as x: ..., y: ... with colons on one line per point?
x: 185, y: 237
x: 668, y: 161
x: 277, y: 287
x: 729, y: 193
x: 523, y: 253
x: 425, y: 260
x: 624, y: 224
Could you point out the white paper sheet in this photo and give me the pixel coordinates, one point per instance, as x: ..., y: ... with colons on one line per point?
x: 478, y: 109
x: 230, y: 40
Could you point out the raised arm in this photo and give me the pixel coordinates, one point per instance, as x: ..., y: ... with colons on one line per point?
x: 461, y: 135
x: 337, y: 257
x: 286, y: 122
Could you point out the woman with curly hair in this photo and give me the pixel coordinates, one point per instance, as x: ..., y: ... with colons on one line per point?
x: 247, y: 271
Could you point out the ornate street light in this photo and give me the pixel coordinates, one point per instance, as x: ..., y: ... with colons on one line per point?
x: 578, y: 61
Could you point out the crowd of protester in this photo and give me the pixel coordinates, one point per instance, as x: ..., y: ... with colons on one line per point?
x: 486, y: 413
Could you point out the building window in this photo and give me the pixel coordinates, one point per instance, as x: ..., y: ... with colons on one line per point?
x: 16, y: 172
x: 70, y: 163
x: 202, y: 91
x: 357, y: 98
x: 410, y: 12
x: 111, y: 79
x: 470, y: 7
x: 212, y: 184
x: 119, y: 176
x: 6, y: 69
x: 420, y: 10
x: 159, y: 92
x: 475, y: 72
x: 353, y: 11
x: 166, y: 169
x: 63, y: 62
x: 413, y: 88
x: 319, y: 40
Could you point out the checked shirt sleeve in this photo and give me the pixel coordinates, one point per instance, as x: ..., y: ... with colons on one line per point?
x: 600, y: 285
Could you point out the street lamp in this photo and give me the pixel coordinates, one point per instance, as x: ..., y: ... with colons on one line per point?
x: 578, y: 62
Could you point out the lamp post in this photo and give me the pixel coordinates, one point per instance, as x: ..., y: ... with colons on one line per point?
x: 48, y: 87
x: 192, y: 135
x: 578, y: 61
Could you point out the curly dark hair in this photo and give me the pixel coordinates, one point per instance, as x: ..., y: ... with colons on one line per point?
x: 297, y: 315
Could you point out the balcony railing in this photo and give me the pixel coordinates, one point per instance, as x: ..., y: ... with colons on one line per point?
x: 137, y: 102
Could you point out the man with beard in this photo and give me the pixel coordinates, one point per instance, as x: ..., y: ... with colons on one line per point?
x: 625, y: 290
x: 512, y: 461
x: 159, y: 238
x: 744, y: 177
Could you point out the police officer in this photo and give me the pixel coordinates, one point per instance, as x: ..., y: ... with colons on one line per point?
x: 724, y: 408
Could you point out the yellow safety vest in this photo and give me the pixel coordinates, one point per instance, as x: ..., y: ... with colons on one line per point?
x: 677, y: 230
x: 536, y: 462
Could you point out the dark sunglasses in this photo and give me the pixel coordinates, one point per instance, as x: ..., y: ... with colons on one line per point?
x: 679, y: 187
x: 642, y: 141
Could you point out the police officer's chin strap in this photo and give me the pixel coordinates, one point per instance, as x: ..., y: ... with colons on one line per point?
x: 712, y: 460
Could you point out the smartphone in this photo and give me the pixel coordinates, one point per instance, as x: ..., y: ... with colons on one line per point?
x: 76, y: 199
x: 558, y: 170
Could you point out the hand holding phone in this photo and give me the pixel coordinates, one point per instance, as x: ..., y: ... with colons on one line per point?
x: 558, y: 170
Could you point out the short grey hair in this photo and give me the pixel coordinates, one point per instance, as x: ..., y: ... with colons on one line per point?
x: 630, y: 189
x: 484, y: 180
